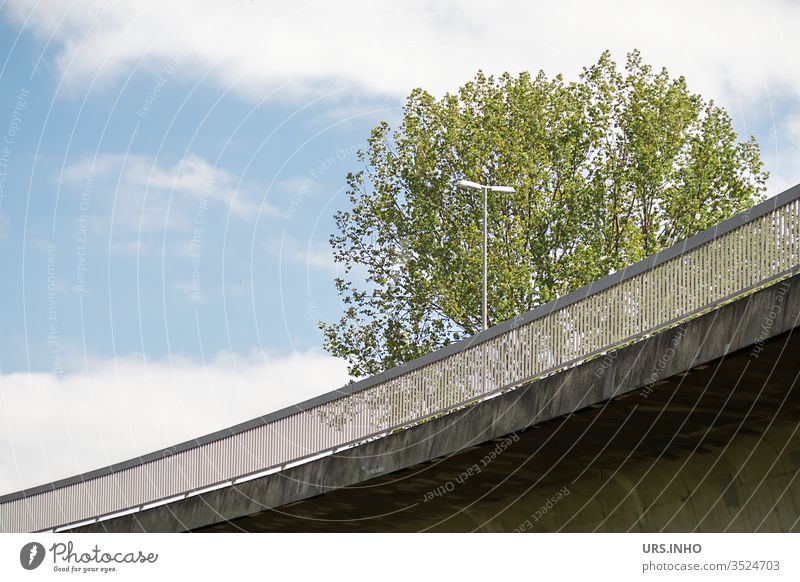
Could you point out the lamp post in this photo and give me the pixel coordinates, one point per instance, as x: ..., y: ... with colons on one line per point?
x: 486, y: 188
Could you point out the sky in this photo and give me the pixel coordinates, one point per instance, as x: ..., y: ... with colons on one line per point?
x: 170, y: 171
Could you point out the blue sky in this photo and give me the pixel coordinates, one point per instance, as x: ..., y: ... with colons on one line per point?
x: 182, y: 229
x: 169, y: 175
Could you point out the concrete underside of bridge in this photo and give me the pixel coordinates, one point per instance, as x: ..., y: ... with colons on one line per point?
x: 692, y: 429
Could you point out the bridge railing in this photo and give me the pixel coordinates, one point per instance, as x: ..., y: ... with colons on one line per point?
x: 728, y: 260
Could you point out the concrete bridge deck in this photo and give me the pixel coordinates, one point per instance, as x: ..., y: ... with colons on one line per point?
x: 694, y: 428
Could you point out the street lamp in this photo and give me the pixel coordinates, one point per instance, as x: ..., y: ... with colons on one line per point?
x: 485, y: 187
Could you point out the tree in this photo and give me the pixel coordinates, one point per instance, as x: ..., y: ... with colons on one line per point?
x: 608, y: 170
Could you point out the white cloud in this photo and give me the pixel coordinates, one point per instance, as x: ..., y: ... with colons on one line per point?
x: 123, y: 408
x: 312, y: 255
x: 743, y: 54
x: 725, y: 48
x: 149, y: 197
x: 783, y: 160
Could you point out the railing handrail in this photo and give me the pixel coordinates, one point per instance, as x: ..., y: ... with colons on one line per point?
x: 615, y: 278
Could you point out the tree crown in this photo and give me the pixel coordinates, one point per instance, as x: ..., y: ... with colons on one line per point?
x: 608, y: 169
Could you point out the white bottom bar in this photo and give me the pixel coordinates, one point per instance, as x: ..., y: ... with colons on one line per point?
x: 355, y: 557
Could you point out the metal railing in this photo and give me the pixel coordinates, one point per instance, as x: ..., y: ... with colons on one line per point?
x: 728, y: 260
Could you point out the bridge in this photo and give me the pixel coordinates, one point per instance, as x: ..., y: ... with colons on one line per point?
x: 658, y: 398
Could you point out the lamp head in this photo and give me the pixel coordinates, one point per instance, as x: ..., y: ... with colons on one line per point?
x: 476, y: 186
x: 468, y: 184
